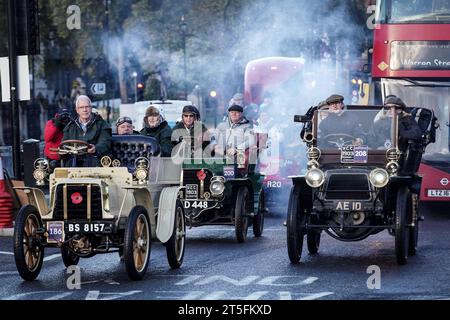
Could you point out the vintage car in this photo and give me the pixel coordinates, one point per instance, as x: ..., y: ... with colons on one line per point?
x: 95, y: 210
x: 358, y: 182
x: 223, y: 191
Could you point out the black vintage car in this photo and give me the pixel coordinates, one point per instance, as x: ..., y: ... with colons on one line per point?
x: 358, y: 182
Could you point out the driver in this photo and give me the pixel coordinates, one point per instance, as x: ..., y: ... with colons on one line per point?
x: 338, y: 121
x: 89, y: 127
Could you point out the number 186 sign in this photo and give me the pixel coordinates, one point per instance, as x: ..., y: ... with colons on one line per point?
x: 354, y: 154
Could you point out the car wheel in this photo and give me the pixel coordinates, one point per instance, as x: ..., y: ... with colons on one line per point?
x: 176, y: 243
x: 295, y: 226
x: 313, y: 241
x: 28, y: 251
x: 69, y: 258
x: 240, y: 214
x: 258, y: 219
x: 414, y: 231
x: 401, y: 227
x: 137, y: 243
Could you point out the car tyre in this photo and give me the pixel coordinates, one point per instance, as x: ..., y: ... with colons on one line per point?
x: 137, y: 243
x: 176, y: 244
x: 69, y: 258
x: 401, y: 224
x: 313, y: 241
x: 28, y: 251
x: 295, y: 226
x: 240, y: 214
x: 414, y: 231
x: 258, y: 219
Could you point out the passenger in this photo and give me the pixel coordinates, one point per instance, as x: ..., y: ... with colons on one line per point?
x: 191, y: 130
x: 125, y: 126
x: 53, y: 133
x: 408, y: 129
x: 339, y: 122
x: 89, y: 127
x: 157, y: 127
x: 234, y: 134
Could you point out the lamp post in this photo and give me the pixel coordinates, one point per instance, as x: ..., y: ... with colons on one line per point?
x: 134, y: 74
x: 183, y: 33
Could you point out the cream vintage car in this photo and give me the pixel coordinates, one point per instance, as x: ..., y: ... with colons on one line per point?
x: 119, y: 207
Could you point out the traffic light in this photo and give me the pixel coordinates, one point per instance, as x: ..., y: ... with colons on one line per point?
x: 27, y: 27
x: 140, y: 87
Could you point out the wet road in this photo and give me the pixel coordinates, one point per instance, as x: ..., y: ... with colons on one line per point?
x: 216, y: 267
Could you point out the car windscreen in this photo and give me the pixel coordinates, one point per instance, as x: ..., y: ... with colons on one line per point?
x: 372, y: 129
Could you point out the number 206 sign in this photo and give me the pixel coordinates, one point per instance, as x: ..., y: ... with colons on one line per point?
x: 354, y: 154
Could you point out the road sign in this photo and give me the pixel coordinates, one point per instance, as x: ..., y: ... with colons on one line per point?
x: 98, y: 88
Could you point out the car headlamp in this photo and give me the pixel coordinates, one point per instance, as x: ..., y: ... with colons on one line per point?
x: 314, y: 177
x: 379, y: 178
x: 217, y: 186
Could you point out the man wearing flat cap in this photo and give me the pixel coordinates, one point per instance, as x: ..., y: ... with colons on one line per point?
x: 408, y: 129
x: 336, y: 121
x: 235, y: 133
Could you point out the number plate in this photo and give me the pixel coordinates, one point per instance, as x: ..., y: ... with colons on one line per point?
x: 55, y: 231
x: 354, y: 154
x: 228, y: 173
x: 347, y: 205
x: 435, y: 193
x: 191, y: 191
x: 202, y: 204
x: 88, y: 227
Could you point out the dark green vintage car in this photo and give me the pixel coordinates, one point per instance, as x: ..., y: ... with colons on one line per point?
x: 223, y: 192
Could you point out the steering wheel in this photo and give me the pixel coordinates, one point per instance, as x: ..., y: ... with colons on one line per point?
x: 339, y: 139
x: 73, y: 147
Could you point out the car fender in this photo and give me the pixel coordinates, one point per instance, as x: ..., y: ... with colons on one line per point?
x: 37, y: 199
x: 166, y: 213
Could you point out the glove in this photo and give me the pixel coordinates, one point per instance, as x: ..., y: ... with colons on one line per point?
x: 61, y: 121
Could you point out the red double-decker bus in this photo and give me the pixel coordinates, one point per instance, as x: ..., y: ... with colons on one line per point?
x: 411, y: 59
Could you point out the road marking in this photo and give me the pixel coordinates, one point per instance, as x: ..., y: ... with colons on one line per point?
x: 5, y: 273
x: 270, y: 281
x: 53, y: 256
x: 285, y: 295
x: 59, y: 296
x: 315, y: 296
x: 92, y: 295
x: 6, y: 252
x: 242, y: 282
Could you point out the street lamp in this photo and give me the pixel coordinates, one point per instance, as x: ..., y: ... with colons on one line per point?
x: 134, y: 74
x: 183, y: 32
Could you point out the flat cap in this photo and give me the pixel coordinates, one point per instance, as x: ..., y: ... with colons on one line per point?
x: 334, y: 98
x: 236, y: 107
x: 396, y: 101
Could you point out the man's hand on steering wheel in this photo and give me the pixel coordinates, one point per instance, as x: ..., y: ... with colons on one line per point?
x: 74, y: 147
x: 91, y: 149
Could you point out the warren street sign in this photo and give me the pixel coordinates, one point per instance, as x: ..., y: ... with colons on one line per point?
x: 98, y: 88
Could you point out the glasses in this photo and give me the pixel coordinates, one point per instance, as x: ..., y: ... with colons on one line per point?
x: 188, y: 115
x: 84, y: 107
x: 123, y: 120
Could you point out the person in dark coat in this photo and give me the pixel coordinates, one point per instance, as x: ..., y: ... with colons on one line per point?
x: 89, y: 127
x: 157, y: 127
x: 337, y: 121
x: 53, y: 132
x: 190, y: 130
x: 408, y: 129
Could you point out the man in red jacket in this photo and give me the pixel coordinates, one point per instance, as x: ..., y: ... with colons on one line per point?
x: 53, y: 132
